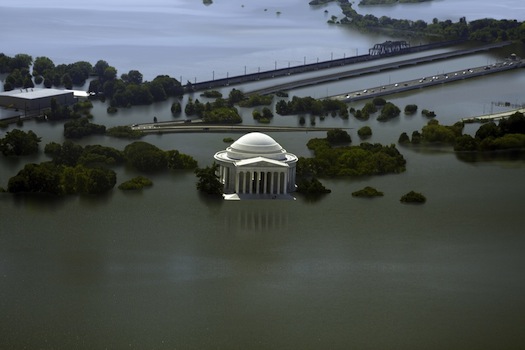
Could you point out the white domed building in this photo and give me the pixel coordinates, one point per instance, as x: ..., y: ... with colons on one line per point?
x: 256, y: 166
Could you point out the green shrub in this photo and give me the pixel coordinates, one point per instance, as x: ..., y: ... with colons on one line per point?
x: 364, y: 132
x: 137, y: 183
x: 367, y: 192
x: 413, y: 197
x: 410, y: 109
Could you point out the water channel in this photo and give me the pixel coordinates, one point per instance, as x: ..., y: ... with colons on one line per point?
x: 167, y: 268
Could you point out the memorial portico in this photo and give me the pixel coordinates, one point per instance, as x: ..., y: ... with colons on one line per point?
x: 256, y: 166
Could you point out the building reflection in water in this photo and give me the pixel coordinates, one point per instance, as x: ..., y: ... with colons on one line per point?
x: 247, y: 221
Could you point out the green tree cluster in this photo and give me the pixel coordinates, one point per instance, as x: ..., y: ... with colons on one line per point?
x: 220, y: 111
x: 62, y: 75
x: 74, y: 169
x: 311, y: 186
x: 364, y: 132
x: 19, y: 143
x: 71, y: 154
x: 212, y: 94
x: 57, y: 111
x: 19, y: 61
x: 124, y: 132
x: 208, y: 181
x: 365, y: 159
x: 310, y: 105
x: 413, y: 197
x: 367, y: 192
x: 508, y: 134
x: 149, y: 158
x: 228, y: 115
x: 256, y: 100
x: 17, y: 70
x: 136, y: 183
x: 388, y: 112
x: 50, y: 178
x: 78, y: 128
x: 338, y: 136
x: 410, y: 109
x: 263, y: 117
x: 130, y: 89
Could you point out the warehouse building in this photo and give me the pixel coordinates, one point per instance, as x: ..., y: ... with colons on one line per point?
x: 35, y: 99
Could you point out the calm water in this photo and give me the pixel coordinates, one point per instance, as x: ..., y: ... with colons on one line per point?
x: 167, y: 268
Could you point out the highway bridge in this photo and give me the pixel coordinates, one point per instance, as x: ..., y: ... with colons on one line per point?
x: 374, y: 69
x: 310, y: 67
x: 377, y: 91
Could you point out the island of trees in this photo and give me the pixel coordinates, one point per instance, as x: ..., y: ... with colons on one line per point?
x: 506, y: 135
x: 368, y: 191
x: 413, y: 197
x: 74, y: 169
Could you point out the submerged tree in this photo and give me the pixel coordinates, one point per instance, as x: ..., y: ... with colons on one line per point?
x: 209, y: 182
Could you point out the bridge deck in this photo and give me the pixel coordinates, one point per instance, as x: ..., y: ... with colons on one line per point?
x: 423, y: 82
x: 374, y: 69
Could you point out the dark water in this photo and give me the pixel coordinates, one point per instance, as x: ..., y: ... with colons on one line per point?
x: 168, y: 268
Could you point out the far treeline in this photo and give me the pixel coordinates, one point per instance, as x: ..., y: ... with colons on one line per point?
x: 485, y: 30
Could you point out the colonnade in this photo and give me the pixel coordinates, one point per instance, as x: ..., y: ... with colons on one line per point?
x: 257, y: 181
x: 261, y: 182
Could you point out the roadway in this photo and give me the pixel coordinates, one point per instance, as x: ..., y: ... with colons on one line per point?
x: 492, y: 116
x: 423, y: 82
x: 196, y: 125
x: 374, y: 69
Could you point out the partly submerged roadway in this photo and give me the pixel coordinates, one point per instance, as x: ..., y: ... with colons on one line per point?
x: 196, y: 125
x: 373, y: 69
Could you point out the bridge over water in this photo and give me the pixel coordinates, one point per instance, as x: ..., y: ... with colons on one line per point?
x: 423, y: 82
x: 374, y: 69
x: 374, y: 54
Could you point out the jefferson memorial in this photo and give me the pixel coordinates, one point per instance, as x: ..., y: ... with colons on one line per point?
x: 256, y: 166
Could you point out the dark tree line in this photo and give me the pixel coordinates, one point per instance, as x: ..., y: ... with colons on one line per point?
x: 130, y: 89
x: 310, y: 105
x: 486, y: 30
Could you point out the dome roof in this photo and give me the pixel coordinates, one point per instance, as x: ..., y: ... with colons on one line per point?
x: 256, y: 144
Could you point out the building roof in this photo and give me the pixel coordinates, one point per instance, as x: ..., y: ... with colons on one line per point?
x: 261, y: 161
x: 35, y: 93
x: 256, y: 144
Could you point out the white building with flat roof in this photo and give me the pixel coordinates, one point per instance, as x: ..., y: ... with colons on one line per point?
x: 35, y: 99
x: 256, y: 166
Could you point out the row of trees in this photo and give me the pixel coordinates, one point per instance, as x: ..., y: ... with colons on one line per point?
x: 301, y: 105
x: 44, y: 71
x: 487, y: 30
x: 130, y: 89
